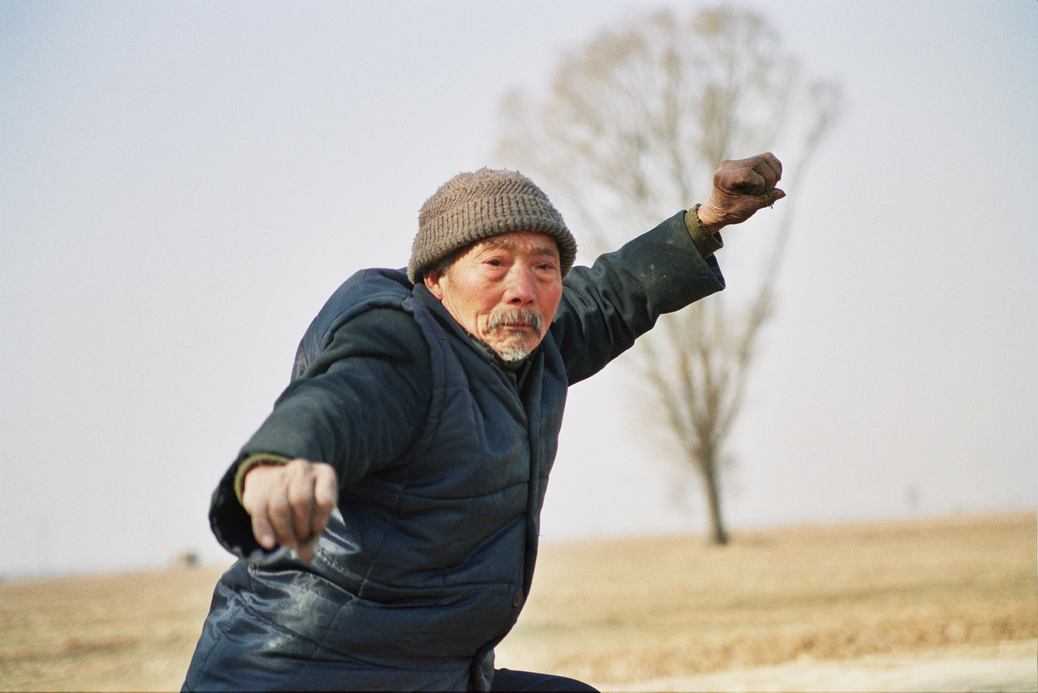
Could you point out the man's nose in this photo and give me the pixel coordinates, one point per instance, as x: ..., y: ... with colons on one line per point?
x: 520, y: 290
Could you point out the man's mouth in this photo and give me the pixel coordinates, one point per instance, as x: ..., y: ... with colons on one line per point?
x: 516, y: 320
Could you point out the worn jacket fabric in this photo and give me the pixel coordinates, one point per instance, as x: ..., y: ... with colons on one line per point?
x: 443, y: 457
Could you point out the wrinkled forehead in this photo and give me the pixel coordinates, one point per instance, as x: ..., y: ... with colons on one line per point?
x: 522, y: 241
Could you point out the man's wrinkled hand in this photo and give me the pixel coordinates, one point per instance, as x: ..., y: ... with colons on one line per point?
x: 740, y: 189
x: 290, y: 504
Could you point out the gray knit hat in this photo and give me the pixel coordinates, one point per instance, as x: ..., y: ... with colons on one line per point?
x: 473, y: 206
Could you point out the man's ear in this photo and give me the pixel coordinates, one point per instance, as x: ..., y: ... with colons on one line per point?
x: 433, y: 279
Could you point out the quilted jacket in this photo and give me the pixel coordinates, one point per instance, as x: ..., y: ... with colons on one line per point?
x: 443, y: 456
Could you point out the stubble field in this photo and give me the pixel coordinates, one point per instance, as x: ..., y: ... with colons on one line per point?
x: 662, y: 613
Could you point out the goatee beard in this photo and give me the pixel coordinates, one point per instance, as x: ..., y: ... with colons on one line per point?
x: 518, y: 317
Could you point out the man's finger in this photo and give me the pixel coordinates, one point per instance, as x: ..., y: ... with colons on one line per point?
x: 300, y: 495
x: 326, y: 495
x: 256, y: 499
x: 774, y: 168
x: 769, y: 197
x: 281, y: 514
x: 262, y: 530
x: 767, y: 168
x: 306, y: 550
x: 740, y: 179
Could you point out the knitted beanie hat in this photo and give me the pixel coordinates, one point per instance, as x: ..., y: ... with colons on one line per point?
x: 474, y: 206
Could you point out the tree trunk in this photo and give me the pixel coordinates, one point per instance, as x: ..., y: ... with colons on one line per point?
x: 718, y: 534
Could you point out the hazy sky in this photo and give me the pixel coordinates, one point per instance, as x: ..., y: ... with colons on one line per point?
x: 182, y: 185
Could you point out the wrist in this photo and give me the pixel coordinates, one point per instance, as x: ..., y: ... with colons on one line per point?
x: 711, y: 220
x: 706, y: 243
x: 250, y: 463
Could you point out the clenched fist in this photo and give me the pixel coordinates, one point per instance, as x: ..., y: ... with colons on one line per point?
x: 290, y: 504
x: 741, y: 188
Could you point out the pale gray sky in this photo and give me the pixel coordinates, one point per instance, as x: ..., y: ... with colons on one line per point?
x: 182, y: 184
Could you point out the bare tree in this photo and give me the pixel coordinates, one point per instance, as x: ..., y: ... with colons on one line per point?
x: 634, y: 125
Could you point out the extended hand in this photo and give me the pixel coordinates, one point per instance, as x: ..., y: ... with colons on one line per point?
x: 740, y: 189
x: 290, y: 504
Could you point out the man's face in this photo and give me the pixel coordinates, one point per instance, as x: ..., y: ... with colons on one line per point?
x: 503, y: 290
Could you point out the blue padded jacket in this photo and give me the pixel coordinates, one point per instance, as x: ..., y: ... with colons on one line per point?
x: 443, y: 456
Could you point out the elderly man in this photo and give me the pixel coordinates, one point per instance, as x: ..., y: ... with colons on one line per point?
x: 387, y: 511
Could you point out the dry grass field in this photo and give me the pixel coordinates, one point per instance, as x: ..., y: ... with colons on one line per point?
x: 618, y: 613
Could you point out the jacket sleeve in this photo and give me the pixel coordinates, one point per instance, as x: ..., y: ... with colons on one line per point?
x: 605, y: 307
x: 359, y: 408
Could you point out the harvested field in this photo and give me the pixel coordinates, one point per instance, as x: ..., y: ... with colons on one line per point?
x: 667, y: 612
x: 636, y: 610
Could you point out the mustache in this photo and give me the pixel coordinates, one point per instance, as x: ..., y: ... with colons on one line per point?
x: 517, y: 317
